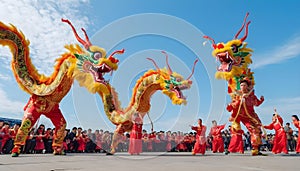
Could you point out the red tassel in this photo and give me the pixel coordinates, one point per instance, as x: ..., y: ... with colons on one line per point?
x: 113, y: 60
x: 220, y: 46
x: 229, y: 90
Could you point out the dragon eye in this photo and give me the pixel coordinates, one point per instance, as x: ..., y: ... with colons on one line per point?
x: 178, y: 79
x: 234, y: 48
x: 97, y: 55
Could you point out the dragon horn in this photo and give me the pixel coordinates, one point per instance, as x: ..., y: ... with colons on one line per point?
x: 238, y: 33
x: 169, y: 68
x: 154, y: 63
x: 117, y: 52
x: 86, y: 43
x: 212, y: 40
x: 195, y: 62
x: 86, y: 37
x: 246, y: 33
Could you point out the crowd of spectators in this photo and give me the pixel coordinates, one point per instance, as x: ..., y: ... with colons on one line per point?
x: 77, y: 140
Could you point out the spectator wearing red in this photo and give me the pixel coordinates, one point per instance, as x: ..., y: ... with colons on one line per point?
x: 151, y: 140
x: 81, y: 140
x: 296, y: 122
x: 200, y: 144
x: 168, y: 139
x: 10, y: 141
x: 98, y: 140
x: 14, y: 130
x: 217, y: 141
x: 5, y: 135
x: 106, y: 140
x: 39, y: 136
x: 180, y: 142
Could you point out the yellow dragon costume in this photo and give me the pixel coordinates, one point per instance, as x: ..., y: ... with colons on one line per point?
x: 165, y: 80
x: 235, y: 58
x: 47, y: 92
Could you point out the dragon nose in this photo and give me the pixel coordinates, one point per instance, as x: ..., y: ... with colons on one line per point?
x: 220, y: 46
x: 113, y: 60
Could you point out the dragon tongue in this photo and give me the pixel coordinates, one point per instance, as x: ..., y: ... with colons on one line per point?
x: 104, y: 68
x: 224, y: 66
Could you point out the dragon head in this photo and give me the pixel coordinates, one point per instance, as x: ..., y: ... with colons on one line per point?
x: 172, y: 84
x: 94, y: 60
x: 234, y: 56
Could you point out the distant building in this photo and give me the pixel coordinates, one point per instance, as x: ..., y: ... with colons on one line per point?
x: 11, y: 121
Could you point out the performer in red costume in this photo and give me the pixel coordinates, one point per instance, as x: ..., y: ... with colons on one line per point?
x: 280, y: 140
x: 236, y: 144
x: 296, y: 122
x: 36, y: 106
x: 135, y: 145
x: 242, y: 108
x: 200, y: 144
x: 215, y: 132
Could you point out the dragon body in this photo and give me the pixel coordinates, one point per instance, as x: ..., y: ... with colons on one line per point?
x: 47, y: 91
x: 169, y: 83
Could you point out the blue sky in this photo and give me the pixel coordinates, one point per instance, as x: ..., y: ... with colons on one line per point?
x: 144, y: 28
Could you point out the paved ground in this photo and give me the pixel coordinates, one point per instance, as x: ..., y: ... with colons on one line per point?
x: 150, y: 162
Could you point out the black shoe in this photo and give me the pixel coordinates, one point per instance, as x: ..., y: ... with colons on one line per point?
x: 15, y: 155
x: 227, y: 152
x: 261, y: 154
x: 109, y: 154
x: 62, y: 153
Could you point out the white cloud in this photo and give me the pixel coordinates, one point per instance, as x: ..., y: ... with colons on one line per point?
x: 5, y: 77
x: 5, y: 54
x: 40, y: 22
x: 279, y: 54
x: 11, y: 108
x: 285, y: 107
